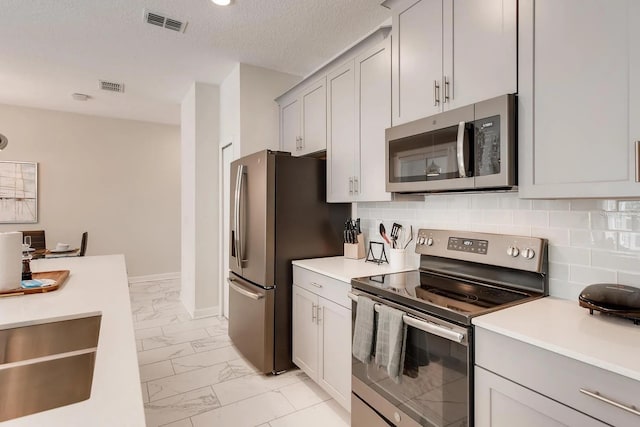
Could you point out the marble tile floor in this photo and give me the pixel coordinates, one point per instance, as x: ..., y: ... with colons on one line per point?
x: 192, y: 376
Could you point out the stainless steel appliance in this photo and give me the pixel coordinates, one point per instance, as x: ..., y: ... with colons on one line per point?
x: 468, y: 148
x: 462, y: 274
x: 278, y: 214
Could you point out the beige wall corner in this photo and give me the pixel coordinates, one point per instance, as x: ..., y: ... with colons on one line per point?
x: 199, y: 153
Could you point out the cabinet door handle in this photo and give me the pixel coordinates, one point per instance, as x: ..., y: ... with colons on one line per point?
x: 317, y: 285
x: 301, y: 143
x: 446, y: 90
x: 350, y: 185
x: 356, y: 185
x: 637, y: 161
x: 319, y: 310
x: 314, y: 313
x: 436, y: 93
x: 597, y: 395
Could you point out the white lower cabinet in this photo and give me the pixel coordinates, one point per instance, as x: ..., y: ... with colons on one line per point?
x: 520, y: 384
x: 322, y: 332
x: 503, y: 403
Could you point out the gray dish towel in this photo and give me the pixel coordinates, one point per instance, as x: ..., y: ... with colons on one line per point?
x: 390, y: 340
x: 362, y: 347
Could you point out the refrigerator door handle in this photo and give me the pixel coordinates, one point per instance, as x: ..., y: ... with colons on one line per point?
x: 243, y: 291
x: 238, y: 235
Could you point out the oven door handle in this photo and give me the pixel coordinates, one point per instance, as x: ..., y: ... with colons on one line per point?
x: 461, y: 147
x: 428, y: 327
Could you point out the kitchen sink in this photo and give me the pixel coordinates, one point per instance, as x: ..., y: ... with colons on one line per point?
x: 47, y: 365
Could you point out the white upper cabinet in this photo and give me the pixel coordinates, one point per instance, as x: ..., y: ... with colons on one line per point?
x: 359, y: 111
x: 341, y: 135
x: 579, y: 98
x: 450, y: 53
x: 373, y: 92
x: 303, y: 119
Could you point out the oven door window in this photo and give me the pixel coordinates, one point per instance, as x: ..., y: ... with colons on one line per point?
x: 430, y: 156
x: 434, y: 387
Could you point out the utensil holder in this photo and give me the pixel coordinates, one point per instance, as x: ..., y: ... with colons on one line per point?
x: 355, y: 250
x: 396, y: 257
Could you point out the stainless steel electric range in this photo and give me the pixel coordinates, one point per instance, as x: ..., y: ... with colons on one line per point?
x: 462, y: 274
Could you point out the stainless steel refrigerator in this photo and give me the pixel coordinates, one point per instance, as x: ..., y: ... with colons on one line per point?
x: 278, y: 214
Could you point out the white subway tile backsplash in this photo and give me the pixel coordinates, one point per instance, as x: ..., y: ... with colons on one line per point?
x: 627, y: 221
x: 589, y: 275
x: 551, y: 205
x: 558, y: 271
x: 569, y: 255
x: 616, y: 260
x: 589, y: 240
x: 629, y: 205
x: 629, y: 242
x: 630, y: 279
x: 594, y: 239
x: 532, y: 218
x: 556, y: 236
x: 569, y: 219
x: 594, y: 205
x: 496, y: 217
x: 565, y: 289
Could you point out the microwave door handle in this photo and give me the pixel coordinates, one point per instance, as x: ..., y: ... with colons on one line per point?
x: 462, y: 167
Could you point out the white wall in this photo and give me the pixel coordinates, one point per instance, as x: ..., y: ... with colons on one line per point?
x: 259, y: 113
x: 200, y: 163
x: 590, y: 241
x: 230, y: 110
x: 117, y: 179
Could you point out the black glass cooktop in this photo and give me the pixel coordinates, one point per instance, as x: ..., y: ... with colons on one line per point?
x: 452, y: 299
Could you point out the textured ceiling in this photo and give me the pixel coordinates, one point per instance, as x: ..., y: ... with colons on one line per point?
x: 50, y: 49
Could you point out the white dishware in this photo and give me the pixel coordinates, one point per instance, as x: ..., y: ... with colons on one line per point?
x: 10, y: 260
x: 60, y: 247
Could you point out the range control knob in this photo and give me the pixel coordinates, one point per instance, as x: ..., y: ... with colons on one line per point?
x: 513, y: 251
x: 430, y: 241
x: 528, y: 253
x: 397, y: 417
x: 421, y: 240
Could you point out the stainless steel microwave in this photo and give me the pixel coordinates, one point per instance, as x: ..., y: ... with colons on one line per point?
x: 468, y: 148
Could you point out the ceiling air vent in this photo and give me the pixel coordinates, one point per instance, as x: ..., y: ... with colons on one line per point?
x: 159, y: 20
x: 111, y: 86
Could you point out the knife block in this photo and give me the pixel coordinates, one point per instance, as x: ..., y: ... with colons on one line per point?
x: 355, y: 250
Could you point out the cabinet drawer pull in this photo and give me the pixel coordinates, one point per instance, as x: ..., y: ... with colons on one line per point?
x: 597, y: 395
x: 317, y: 285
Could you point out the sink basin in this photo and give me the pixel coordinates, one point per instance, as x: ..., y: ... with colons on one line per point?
x: 47, y: 365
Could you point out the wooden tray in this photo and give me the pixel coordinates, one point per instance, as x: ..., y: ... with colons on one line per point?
x: 60, y: 276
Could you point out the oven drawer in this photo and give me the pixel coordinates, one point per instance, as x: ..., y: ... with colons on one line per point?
x: 324, y: 286
x: 576, y: 384
x: 363, y: 416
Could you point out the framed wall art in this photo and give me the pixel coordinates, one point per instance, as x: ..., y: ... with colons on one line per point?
x: 18, y: 192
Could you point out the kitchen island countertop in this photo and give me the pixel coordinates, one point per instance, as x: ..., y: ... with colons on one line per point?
x: 95, y: 284
x: 345, y: 269
x: 563, y: 327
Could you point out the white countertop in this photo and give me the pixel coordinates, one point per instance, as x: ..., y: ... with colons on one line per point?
x: 563, y: 327
x: 95, y: 284
x: 345, y: 269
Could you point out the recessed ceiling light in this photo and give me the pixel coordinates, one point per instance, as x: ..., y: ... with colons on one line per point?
x: 222, y: 2
x: 80, y: 96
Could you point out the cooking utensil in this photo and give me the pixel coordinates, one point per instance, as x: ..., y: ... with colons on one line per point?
x: 383, y: 233
x: 410, y: 237
x: 395, y: 229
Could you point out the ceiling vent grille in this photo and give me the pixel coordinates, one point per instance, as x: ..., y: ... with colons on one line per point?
x: 159, y: 20
x: 111, y: 86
